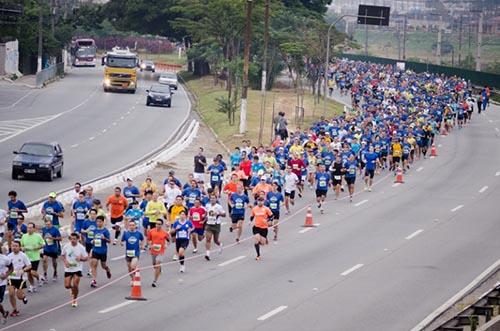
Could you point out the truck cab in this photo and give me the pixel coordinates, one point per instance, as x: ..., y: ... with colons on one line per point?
x: 120, y: 72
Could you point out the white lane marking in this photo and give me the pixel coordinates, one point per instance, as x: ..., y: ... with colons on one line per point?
x: 223, y: 264
x: 490, y: 121
x: 118, y: 258
x: 348, y: 271
x: 440, y: 145
x: 19, y: 100
x: 305, y: 230
x: 91, y: 138
x: 456, y: 208
x: 483, y: 189
x: 123, y: 304
x: 272, y: 313
x: 497, y: 174
x: 396, y: 184
x: 74, y: 145
x: 420, y: 169
x: 414, y: 234
x: 122, y: 117
x: 128, y: 112
x: 104, y: 130
x: 497, y: 130
x: 114, y: 123
x: 361, y: 202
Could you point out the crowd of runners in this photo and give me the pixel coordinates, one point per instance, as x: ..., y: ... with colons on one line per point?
x: 395, y: 118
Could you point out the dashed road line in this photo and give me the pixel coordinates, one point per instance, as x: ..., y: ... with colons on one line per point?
x: 236, y: 259
x: 74, y: 145
x: 360, y: 203
x: 306, y: 230
x: 118, y: 258
x: 12, y: 128
x: 414, y: 234
x: 350, y: 270
x: 272, y: 313
x: 497, y: 174
x: 396, y: 184
x: 420, y: 169
x: 91, y: 138
x: 118, y: 306
x: 483, y: 189
x: 456, y: 208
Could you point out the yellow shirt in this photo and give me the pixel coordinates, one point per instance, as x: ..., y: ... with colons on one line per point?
x: 151, y: 209
x: 397, y: 150
x: 296, y: 149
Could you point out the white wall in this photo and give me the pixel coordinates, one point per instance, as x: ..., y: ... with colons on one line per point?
x: 9, y: 58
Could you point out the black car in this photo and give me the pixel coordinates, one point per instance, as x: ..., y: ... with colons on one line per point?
x: 147, y: 65
x: 159, y: 94
x: 38, y: 159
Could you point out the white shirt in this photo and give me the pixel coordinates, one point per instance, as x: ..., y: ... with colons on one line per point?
x: 3, y: 219
x: 213, y: 212
x: 290, y: 182
x: 170, y: 194
x: 5, y: 262
x: 71, y: 252
x: 19, y: 262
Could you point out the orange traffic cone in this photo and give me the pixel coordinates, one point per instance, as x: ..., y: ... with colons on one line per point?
x: 309, y: 218
x: 399, y: 176
x: 136, y: 292
x: 433, y: 151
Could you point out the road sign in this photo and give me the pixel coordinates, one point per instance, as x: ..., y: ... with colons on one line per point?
x: 373, y: 15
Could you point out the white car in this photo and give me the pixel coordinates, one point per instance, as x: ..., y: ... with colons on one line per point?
x: 168, y: 78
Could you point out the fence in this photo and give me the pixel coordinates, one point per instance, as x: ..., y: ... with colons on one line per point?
x: 476, y: 77
x: 49, y: 73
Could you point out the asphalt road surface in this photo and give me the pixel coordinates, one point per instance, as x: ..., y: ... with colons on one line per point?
x: 99, y: 132
x: 382, y: 262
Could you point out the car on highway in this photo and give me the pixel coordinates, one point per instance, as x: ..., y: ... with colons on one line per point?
x: 159, y: 94
x: 37, y: 159
x: 147, y: 65
x: 168, y: 78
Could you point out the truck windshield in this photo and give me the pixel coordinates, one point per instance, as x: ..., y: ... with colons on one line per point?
x: 121, y: 62
x: 36, y: 149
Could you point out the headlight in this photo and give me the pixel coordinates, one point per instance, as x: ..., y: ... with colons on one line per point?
x: 132, y: 83
x: 143, y: 66
x: 44, y: 165
x: 107, y: 82
x: 17, y: 163
x: 153, y: 66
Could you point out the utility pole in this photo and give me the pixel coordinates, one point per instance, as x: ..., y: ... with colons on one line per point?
x: 404, y: 37
x: 40, y: 36
x: 264, y: 72
x: 479, y: 41
x: 52, y: 17
x: 438, y: 48
x: 399, y: 39
x: 366, y: 39
x: 460, y: 42
x: 246, y: 63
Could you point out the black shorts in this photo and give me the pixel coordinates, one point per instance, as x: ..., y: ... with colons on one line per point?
x: 350, y: 180
x: 88, y: 247
x: 369, y: 173
x: 130, y: 258
x: 405, y: 157
x: 396, y: 159
x: 276, y: 215
x: 72, y: 274
x: 11, y: 226
x: 336, y: 182
x: 17, y: 283
x: 115, y: 220
x: 321, y: 193
x: 236, y: 218
x: 290, y: 194
x: 181, y: 243
x: 53, y: 255
x: 34, y: 265
x: 2, y: 292
x: 260, y: 231
x: 100, y: 257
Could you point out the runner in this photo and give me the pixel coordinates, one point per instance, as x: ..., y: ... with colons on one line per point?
x: 182, y: 228
x: 116, y: 204
x: 336, y: 172
x: 261, y: 217
x: 274, y: 200
x: 238, y: 201
x: 131, y: 192
x: 53, y: 209
x: 15, y: 209
x: 88, y: 232
x: 216, y: 171
x: 3, y: 223
x: 73, y: 255
x: 148, y: 196
x: 79, y: 211
x: 173, y: 214
x: 155, y: 209
x: 290, y: 180
x: 17, y: 284
x: 191, y: 193
x: 230, y: 188
x: 158, y: 238
x: 51, y: 249
x: 297, y: 166
x: 372, y: 161
x: 31, y: 243
x: 200, y: 162
x: 134, y: 243
x: 99, y: 250
x: 323, y: 182
x: 350, y: 167
x: 213, y: 225
x: 134, y: 215
x: 6, y: 269
x: 197, y: 215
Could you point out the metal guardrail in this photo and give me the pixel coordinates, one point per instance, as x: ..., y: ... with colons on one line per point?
x: 49, y: 74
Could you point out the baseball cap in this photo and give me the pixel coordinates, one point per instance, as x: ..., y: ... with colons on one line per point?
x: 52, y: 194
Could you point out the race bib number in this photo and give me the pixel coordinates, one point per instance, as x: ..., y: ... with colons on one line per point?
x: 156, y: 248
x: 215, y: 178
x: 90, y: 234
x: 196, y: 217
x: 130, y: 200
x: 50, y: 217
x: 295, y: 166
x: 80, y: 216
x: 273, y: 205
x: 352, y: 171
x: 49, y: 241
x: 238, y: 205
x: 182, y: 234
x: 337, y: 177
x: 130, y: 252
x: 97, y: 242
x: 13, y: 214
x: 322, y: 183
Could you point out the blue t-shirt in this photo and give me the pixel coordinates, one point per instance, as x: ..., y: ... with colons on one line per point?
x: 216, y: 172
x: 13, y: 215
x: 90, y: 226
x: 51, y: 246
x: 371, y: 159
x: 18, y: 232
x: 256, y: 167
x: 328, y: 158
x: 99, y: 245
x: 182, y: 229
x: 239, y: 202
x: 142, y: 206
x: 135, y: 215
x: 235, y: 158
x: 132, y: 241
x: 130, y: 193
x: 191, y: 194
x: 80, y: 209
x: 351, y: 167
x: 51, y: 208
x: 274, y: 200
x: 322, y: 180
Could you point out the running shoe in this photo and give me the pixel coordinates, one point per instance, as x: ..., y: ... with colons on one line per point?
x: 175, y: 257
x: 257, y: 258
x: 43, y: 279
x: 14, y: 313
x: 5, y: 314
x: 195, y: 250
x: 154, y: 284
x: 30, y: 289
x: 220, y: 249
x: 183, y: 268
x: 93, y: 283
x: 54, y: 278
x: 74, y: 304
x: 230, y: 229
x: 108, y: 273
x: 25, y: 300
x: 89, y: 274
x: 115, y: 242
x: 207, y: 257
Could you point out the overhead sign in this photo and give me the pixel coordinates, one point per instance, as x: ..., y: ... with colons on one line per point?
x: 373, y: 15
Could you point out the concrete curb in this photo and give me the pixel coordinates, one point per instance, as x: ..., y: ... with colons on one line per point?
x: 457, y: 297
x: 20, y: 84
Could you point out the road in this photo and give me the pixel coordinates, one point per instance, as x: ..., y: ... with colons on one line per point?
x: 383, y: 262
x: 99, y: 132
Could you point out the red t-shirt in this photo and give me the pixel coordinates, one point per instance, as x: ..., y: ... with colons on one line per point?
x: 196, y: 215
x: 246, y: 166
x: 297, y: 166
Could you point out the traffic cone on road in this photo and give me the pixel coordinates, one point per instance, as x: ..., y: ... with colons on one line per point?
x: 434, y: 151
x: 309, y: 218
x: 136, y: 292
x: 399, y: 176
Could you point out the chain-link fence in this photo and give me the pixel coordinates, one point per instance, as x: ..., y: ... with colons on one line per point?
x: 49, y: 73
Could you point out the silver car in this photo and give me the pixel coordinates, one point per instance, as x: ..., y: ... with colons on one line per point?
x: 168, y: 78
